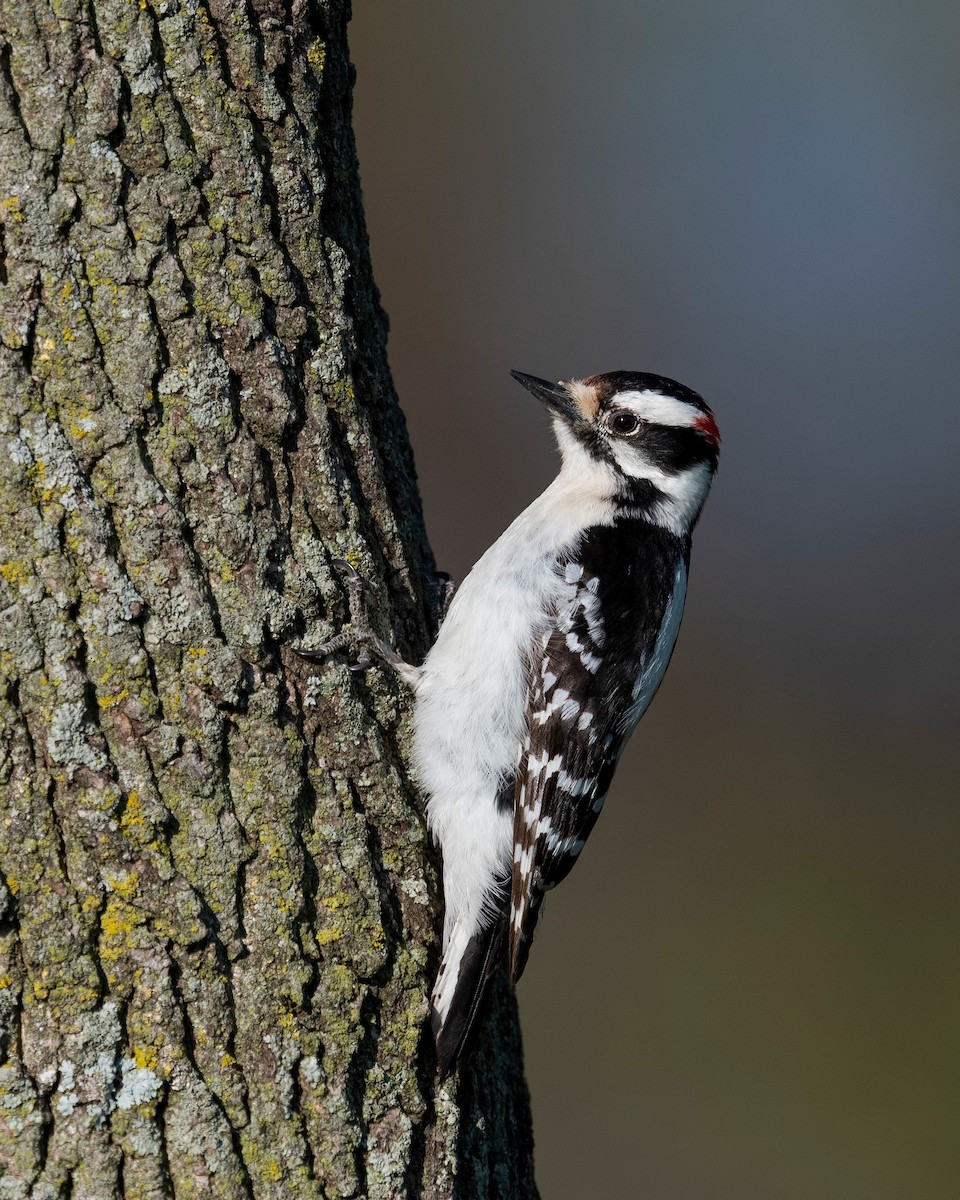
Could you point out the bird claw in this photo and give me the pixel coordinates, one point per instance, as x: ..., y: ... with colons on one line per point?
x: 362, y: 633
x: 439, y: 589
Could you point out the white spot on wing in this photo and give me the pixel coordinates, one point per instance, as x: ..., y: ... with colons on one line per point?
x: 567, y: 845
x: 544, y: 828
x: 590, y: 661
x: 572, y: 785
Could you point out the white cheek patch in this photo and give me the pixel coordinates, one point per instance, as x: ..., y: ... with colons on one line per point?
x: 632, y: 462
x: 657, y: 408
x: 683, y: 493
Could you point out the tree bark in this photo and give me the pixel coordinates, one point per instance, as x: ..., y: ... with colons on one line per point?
x: 219, y: 909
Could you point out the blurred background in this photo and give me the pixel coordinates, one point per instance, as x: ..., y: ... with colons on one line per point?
x: 750, y: 986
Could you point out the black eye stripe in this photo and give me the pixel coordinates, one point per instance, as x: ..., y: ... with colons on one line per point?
x: 674, y: 449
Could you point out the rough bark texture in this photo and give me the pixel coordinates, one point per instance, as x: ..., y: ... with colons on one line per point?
x: 218, y: 912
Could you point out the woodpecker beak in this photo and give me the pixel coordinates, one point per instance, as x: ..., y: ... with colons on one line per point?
x: 554, y: 395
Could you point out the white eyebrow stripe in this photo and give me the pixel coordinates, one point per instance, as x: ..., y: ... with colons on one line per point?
x: 657, y: 408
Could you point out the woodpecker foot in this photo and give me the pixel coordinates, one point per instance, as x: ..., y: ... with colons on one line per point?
x: 439, y: 591
x: 361, y: 633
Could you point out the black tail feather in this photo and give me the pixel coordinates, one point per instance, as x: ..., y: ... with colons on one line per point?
x: 520, y: 942
x: 455, y: 1037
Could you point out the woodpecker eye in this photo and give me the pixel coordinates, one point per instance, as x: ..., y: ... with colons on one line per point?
x: 624, y: 423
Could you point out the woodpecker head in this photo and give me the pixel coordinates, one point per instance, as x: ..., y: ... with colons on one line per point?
x: 647, y: 441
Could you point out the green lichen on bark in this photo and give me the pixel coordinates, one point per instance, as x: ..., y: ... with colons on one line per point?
x: 218, y: 907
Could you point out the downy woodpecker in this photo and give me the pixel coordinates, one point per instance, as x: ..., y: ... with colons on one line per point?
x: 549, y: 654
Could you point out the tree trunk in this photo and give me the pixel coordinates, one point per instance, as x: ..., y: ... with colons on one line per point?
x: 219, y: 919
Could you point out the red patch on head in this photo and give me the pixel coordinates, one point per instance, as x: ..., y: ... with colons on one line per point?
x: 706, y: 425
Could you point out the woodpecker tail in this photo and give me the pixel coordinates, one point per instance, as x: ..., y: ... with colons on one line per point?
x: 461, y: 988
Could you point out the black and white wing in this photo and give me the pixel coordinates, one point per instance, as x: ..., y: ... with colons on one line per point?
x: 599, y: 666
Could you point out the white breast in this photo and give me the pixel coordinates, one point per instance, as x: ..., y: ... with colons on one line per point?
x: 471, y: 706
